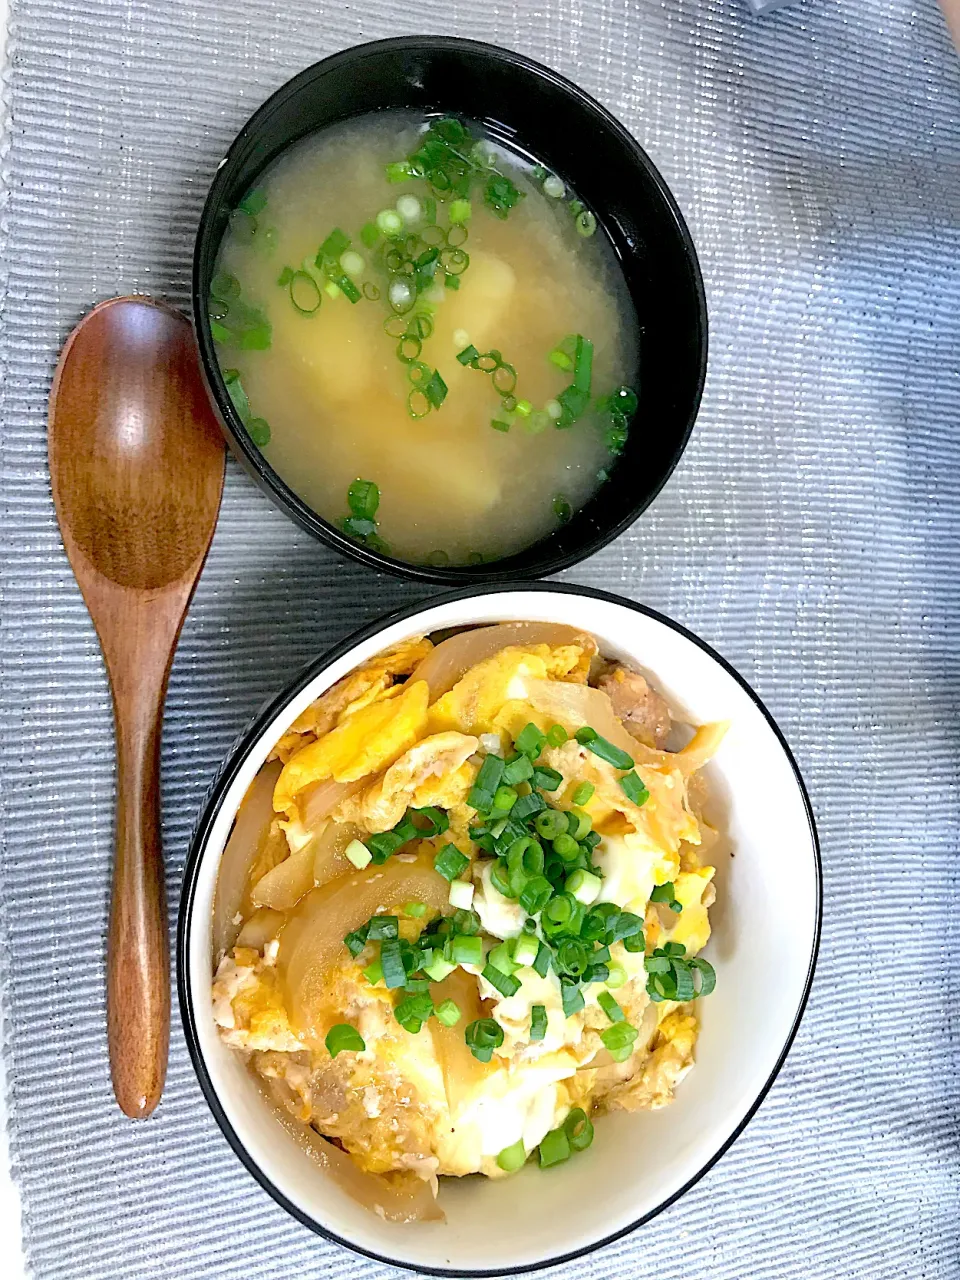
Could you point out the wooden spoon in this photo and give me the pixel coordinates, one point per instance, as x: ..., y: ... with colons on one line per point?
x: 136, y: 464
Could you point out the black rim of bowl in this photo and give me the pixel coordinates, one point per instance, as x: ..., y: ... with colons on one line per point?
x: 529, y: 562
x: 211, y: 809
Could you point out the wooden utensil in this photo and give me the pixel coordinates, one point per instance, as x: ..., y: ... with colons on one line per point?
x: 136, y: 465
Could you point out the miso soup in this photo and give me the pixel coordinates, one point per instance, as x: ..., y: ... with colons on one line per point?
x: 428, y: 337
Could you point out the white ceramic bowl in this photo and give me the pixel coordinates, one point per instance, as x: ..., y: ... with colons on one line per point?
x: 768, y: 905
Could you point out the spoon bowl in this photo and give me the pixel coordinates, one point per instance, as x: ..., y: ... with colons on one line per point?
x: 136, y: 468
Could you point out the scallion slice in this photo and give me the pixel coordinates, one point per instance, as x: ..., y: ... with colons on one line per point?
x: 450, y: 862
x: 614, y: 755
x: 634, y: 788
x: 554, y: 1148
x: 466, y: 950
x: 538, y: 1022
x: 342, y: 1038
x: 512, y: 1158
x: 482, y: 1037
x: 578, y: 1129
x: 449, y: 1013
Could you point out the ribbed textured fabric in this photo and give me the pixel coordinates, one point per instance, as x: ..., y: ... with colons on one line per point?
x: 811, y: 533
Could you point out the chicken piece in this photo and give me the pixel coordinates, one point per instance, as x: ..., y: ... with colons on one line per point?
x: 643, y: 711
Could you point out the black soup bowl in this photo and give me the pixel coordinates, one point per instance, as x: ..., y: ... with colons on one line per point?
x: 538, y: 113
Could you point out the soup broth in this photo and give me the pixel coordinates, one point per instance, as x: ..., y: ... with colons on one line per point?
x: 469, y: 358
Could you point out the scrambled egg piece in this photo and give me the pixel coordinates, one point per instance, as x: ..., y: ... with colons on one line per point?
x: 369, y: 683
x: 364, y: 743
x: 476, y: 700
x: 433, y: 772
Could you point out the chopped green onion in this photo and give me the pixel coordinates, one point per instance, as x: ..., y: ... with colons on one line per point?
x: 578, y: 1129
x: 566, y: 847
x: 512, y: 1158
x: 551, y: 823
x: 502, y: 959
x: 435, y: 389
x: 634, y: 788
x: 448, y: 1013
x: 285, y: 276
x: 518, y: 770
x: 467, y: 950
x: 556, y: 735
x: 546, y: 779
x: 572, y: 957
x: 459, y: 211
x: 683, y: 977
x: 358, y: 854
x: 415, y: 909
x: 468, y: 354
x: 571, y: 997
x: 482, y: 1037
x: 331, y: 289
x: 525, y: 949
x: 586, y: 223
x: 363, y: 498
x: 499, y: 425
x: 399, y: 171
x: 573, y: 402
x: 504, y: 799
x: 663, y: 893
x: 486, y: 783
x: 616, y: 977
x: 253, y: 202
x: 336, y: 242
x: 553, y: 409
x: 304, y: 292
x: 413, y: 1012
x: 584, y: 793
x: 708, y: 976
x: 370, y: 234
x: 584, y: 886
x: 619, y: 1040
x: 530, y: 741
x: 391, y: 958
x: 553, y: 187
x: 450, y: 862
x: 351, y: 262
x: 560, y: 359
x: 562, y: 508
x: 536, y: 423
x: 259, y: 431
x: 554, y: 1148
x: 383, y: 928
x: 438, y: 967
x: 557, y: 914
x: 504, y: 982
x: 579, y: 823
x: 609, y: 1006
x: 526, y: 806
x: 535, y: 894
x: 541, y: 965
x: 583, y: 365
x: 374, y: 972
x: 614, y: 755
x: 466, y: 922
x: 538, y: 1022
x: 355, y: 941
x: 343, y: 1038
x: 461, y: 894
x: 389, y: 223
x: 408, y: 208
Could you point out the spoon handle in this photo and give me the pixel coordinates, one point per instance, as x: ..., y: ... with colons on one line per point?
x: 138, y: 955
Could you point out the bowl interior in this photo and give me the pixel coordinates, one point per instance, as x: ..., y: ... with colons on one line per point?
x: 767, y: 907
x: 539, y: 113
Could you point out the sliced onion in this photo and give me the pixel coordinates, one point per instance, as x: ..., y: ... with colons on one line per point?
x: 399, y: 1197
x: 320, y: 799
x: 329, y: 851
x: 452, y: 658
x: 261, y: 928
x: 311, y: 941
x: 462, y: 1072
x: 250, y: 830
x: 284, y: 886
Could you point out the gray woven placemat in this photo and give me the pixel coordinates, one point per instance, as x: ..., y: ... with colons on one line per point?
x: 811, y: 533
